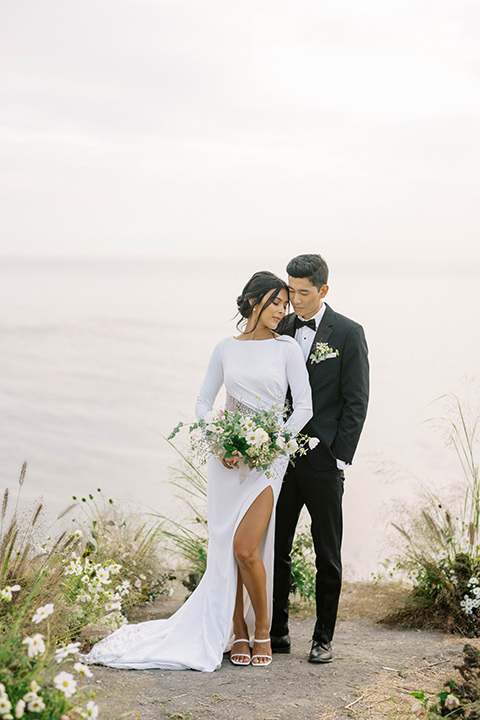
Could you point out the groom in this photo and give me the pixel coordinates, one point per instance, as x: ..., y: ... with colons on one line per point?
x: 336, y: 354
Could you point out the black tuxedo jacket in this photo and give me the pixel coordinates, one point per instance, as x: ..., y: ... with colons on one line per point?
x: 339, y: 385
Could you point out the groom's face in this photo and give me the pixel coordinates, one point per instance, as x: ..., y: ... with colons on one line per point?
x: 306, y: 299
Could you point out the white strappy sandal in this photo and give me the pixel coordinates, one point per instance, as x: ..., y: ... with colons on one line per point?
x: 236, y: 662
x: 265, y: 664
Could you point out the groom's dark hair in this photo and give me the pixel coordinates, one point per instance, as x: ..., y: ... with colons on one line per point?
x: 312, y: 267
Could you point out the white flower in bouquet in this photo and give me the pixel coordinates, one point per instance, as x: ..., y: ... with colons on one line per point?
x: 20, y: 708
x: 261, y: 437
x: 291, y: 446
x: 210, y: 417
x: 248, y: 426
x: 251, y: 438
x: 281, y: 442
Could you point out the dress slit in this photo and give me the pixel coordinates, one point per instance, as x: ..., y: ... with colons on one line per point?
x: 197, y: 635
x: 267, y: 559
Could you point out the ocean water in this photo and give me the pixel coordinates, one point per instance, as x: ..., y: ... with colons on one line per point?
x: 100, y: 358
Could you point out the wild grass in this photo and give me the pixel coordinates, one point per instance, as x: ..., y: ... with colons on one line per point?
x: 55, y: 582
x: 441, y: 552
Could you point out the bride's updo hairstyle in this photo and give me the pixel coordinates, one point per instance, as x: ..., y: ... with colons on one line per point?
x: 255, y: 290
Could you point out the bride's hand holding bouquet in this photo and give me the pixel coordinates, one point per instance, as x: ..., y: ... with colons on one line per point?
x: 253, y: 440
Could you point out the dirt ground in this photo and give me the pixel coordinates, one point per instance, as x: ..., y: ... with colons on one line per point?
x: 374, y: 671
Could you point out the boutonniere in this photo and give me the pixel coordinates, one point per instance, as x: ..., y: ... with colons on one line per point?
x: 322, y: 352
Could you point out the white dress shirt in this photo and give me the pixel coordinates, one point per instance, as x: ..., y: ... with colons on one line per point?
x: 305, y: 337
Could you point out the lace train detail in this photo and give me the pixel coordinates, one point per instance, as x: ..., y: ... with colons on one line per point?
x: 112, y: 648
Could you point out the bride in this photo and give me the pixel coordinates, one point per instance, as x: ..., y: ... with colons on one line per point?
x: 232, y: 604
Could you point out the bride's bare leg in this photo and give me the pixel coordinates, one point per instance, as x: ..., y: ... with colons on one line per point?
x: 252, y: 571
x: 240, y: 651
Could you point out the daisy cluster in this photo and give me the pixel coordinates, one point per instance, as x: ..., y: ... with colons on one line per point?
x: 443, y: 560
x: 471, y: 600
x: 259, y: 437
x: 33, y: 701
x: 97, y: 582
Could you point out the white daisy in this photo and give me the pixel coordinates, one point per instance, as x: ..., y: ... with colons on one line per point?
x: 36, y: 646
x: 36, y: 705
x: 6, y: 593
x: 42, y: 613
x: 20, y: 708
x: 66, y: 683
x: 5, y: 705
x: 103, y: 576
x: 64, y: 652
x: 92, y: 709
x: 111, y: 606
x: 82, y: 669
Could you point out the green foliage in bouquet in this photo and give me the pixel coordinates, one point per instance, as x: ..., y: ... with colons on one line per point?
x: 258, y: 437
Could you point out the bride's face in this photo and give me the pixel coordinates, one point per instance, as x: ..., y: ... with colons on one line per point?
x: 273, y: 313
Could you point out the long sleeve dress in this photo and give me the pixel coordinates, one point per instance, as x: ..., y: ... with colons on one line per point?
x: 256, y: 374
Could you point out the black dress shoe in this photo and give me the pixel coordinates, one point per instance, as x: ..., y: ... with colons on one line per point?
x: 320, y: 652
x: 280, y: 643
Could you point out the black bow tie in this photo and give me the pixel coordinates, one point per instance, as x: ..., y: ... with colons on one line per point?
x: 300, y: 323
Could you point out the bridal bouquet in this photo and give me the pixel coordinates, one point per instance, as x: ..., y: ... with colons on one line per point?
x: 258, y: 437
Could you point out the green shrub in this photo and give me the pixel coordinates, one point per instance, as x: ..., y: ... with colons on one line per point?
x: 303, y: 566
x: 442, y: 552
x: 52, y: 585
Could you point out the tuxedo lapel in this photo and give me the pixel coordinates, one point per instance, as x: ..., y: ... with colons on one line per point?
x: 287, y: 326
x: 322, y: 334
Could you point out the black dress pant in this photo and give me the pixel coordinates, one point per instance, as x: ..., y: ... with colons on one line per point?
x: 321, y: 491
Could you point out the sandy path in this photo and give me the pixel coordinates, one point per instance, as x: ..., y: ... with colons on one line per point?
x: 372, y: 661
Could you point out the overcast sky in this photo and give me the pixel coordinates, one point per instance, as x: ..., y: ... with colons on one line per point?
x: 155, y: 124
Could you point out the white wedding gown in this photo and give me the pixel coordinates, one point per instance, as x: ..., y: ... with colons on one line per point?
x: 256, y: 374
